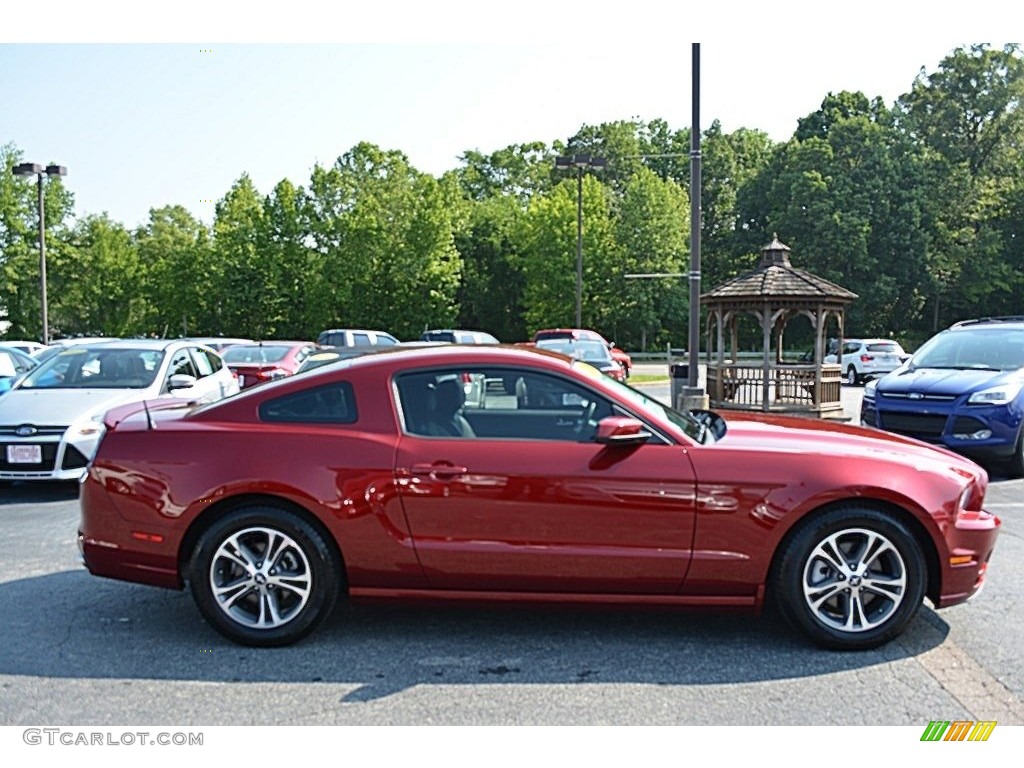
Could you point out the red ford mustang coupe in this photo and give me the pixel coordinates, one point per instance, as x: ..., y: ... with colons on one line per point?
x: 504, y: 474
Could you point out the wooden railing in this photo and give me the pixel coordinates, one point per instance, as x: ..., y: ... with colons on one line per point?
x: 789, y: 387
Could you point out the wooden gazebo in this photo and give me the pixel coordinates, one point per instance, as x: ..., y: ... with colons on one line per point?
x: 774, y: 293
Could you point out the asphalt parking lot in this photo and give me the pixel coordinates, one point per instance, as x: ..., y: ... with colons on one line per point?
x: 79, y: 650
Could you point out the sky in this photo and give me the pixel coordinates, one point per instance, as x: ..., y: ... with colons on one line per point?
x: 150, y: 105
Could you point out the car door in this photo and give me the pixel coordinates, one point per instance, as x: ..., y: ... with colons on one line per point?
x: 528, y: 502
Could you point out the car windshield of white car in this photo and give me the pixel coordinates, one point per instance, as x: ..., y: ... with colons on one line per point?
x: 98, y: 368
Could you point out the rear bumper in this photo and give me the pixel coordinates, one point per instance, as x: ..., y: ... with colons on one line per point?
x: 111, y: 546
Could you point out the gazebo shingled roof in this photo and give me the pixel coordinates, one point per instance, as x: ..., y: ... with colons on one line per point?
x: 776, y: 278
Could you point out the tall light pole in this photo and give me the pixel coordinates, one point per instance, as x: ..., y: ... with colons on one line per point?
x: 579, y: 162
x: 34, y: 169
x: 695, y: 222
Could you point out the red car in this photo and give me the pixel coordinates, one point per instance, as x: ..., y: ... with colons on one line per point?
x: 458, y: 473
x: 618, y: 355
x: 263, y: 361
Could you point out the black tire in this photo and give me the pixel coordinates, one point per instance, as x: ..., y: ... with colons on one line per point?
x: 1015, y: 466
x: 261, y: 603
x: 851, y: 376
x: 850, y: 579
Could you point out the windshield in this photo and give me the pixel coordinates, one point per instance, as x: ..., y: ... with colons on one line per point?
x: 257, y: 353
x: 885, y: 346
x: 681, y: 419
x: 580, y: 349
x: 988, y: 348
x: 96, y: 368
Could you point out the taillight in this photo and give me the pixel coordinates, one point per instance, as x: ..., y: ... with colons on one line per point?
x: 866, y: 358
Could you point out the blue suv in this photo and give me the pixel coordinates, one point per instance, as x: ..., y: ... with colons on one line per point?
x: 963, y: 389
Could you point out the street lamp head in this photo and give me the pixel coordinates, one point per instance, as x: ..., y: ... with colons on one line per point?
x: 56, y: 170
x: 27, y: 169
x: 563, y: 162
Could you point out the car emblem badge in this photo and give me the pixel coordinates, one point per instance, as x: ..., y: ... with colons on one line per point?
x: 914, y: 395
x: 25, y: 430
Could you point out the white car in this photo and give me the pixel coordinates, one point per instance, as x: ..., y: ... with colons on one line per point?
x: 865, y: 359
x: 28, y: 347
x: 52, y: 419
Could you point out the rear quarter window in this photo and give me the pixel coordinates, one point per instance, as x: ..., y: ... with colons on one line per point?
x: 328, y: 404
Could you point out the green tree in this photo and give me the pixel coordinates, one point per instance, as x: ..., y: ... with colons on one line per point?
x: 490, y: 295
x: 966, y: 117
x: 386, y: 235
x: 284, y: 243
x: 95, y: 282
x: 250, y: 301
x: 547, y: 256
x: 180, y: 288
x: 19, y: 243
x: 652, y: 231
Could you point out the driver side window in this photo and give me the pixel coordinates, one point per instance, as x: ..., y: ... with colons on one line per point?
x: 499, y: 403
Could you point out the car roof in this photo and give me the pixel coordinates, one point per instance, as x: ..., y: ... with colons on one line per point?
x: 275, y: 343
x: 991, y: 322
x: 155, y: 344
x: 354, y: 330
x: 17, y: 352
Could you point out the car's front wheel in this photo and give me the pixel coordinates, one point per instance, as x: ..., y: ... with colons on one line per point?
x: 263, y: 576
x: 1016, y: 466
x: 851, y: 578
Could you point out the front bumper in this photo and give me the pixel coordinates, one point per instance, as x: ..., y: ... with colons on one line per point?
x: 970, y: 541
x: 59, y: 459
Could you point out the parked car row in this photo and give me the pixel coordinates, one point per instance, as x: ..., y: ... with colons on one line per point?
x: 52, y: 417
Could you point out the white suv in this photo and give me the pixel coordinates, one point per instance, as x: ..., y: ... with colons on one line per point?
x: 348, y: 337
x: 865, y: 359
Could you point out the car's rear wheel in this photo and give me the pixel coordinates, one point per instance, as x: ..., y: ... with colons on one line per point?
x: 851, y: 578
x: 851, y: 376
x: 263, y: 576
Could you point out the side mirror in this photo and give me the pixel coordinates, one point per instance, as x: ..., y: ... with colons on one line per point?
x: 715, y: 423
x: 181, y: 381
x: 621, y: 430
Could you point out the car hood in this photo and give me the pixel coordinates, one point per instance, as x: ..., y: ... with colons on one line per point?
x: 790, y: 434
x: 943, y: 381
x: 62, y: 407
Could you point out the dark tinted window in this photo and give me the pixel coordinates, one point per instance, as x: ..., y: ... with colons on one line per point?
x: 258, y: 353
x: 202, y: 362
x: 885, y: 346
x: 329, y: 404
x: 181, y: 363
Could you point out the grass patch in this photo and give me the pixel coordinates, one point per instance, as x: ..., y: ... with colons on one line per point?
x: 648, y: 378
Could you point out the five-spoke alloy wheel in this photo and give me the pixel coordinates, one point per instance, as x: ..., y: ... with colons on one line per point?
x: 851, y: 578
x: 263, y: 576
